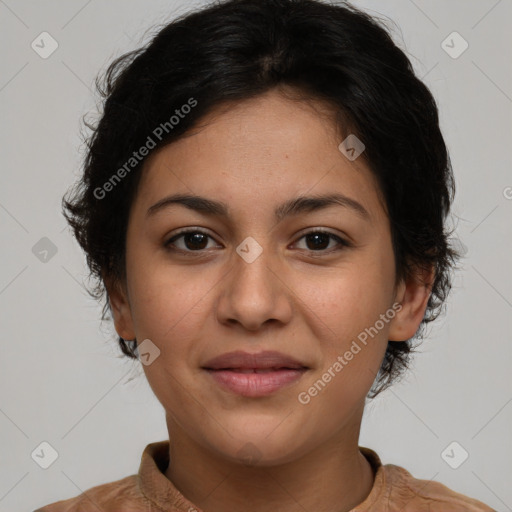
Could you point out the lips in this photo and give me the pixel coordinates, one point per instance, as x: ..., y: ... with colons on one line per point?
x: 256, y: 370
x: 254, y: 375
x: 263, y: 361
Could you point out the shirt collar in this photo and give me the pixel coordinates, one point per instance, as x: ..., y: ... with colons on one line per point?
x: 162, y: 493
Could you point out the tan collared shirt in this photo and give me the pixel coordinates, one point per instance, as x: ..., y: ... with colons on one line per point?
x: 394, y: 490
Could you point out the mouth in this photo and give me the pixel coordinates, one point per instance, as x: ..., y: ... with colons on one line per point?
x: 254, y: 370
x: 254, y: 375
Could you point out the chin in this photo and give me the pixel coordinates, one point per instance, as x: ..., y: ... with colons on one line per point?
x: 261, y: 446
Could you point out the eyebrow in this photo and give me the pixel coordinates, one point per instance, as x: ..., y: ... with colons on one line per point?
x: 296, y: 206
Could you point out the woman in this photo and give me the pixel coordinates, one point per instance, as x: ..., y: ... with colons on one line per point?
x: 263, y: 204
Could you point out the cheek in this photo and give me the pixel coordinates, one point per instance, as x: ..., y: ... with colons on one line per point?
x: 170, y: 307
x: 170, y: 311
x: 167, y: 302
x: 347, y: 300
x: 345, y: 312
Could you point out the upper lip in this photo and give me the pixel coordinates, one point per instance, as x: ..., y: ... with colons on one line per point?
x: 245, y: 361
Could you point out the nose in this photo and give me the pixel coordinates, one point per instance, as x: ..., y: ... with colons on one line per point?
x: 255, y: 292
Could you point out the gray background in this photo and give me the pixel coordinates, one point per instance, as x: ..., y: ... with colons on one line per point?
x: 61, y: 379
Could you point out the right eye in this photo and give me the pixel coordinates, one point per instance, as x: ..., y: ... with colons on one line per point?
x: 194, y: 240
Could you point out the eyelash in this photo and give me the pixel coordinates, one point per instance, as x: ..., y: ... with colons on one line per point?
x: 168, y: 245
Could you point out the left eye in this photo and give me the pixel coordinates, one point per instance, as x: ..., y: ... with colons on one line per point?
x: 196, y: 240
x: 319, y: 239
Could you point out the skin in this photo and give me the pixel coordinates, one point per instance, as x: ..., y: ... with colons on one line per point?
x: 296, y: 299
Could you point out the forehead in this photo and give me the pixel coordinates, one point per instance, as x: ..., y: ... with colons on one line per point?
x: 257, y: 152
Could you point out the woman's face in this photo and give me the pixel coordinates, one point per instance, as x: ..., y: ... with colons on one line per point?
x: 251, y: 281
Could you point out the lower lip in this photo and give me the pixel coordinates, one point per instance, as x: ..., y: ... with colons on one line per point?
x: 255, y: 384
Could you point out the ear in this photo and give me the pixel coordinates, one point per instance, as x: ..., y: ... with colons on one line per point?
x: 413, y: 295
x: 120, y: 306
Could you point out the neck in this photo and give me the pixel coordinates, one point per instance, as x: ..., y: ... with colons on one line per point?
x: 334, y: 477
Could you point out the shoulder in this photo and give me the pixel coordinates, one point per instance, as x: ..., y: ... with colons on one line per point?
x: 410, y: 494
x: 110, y: 497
